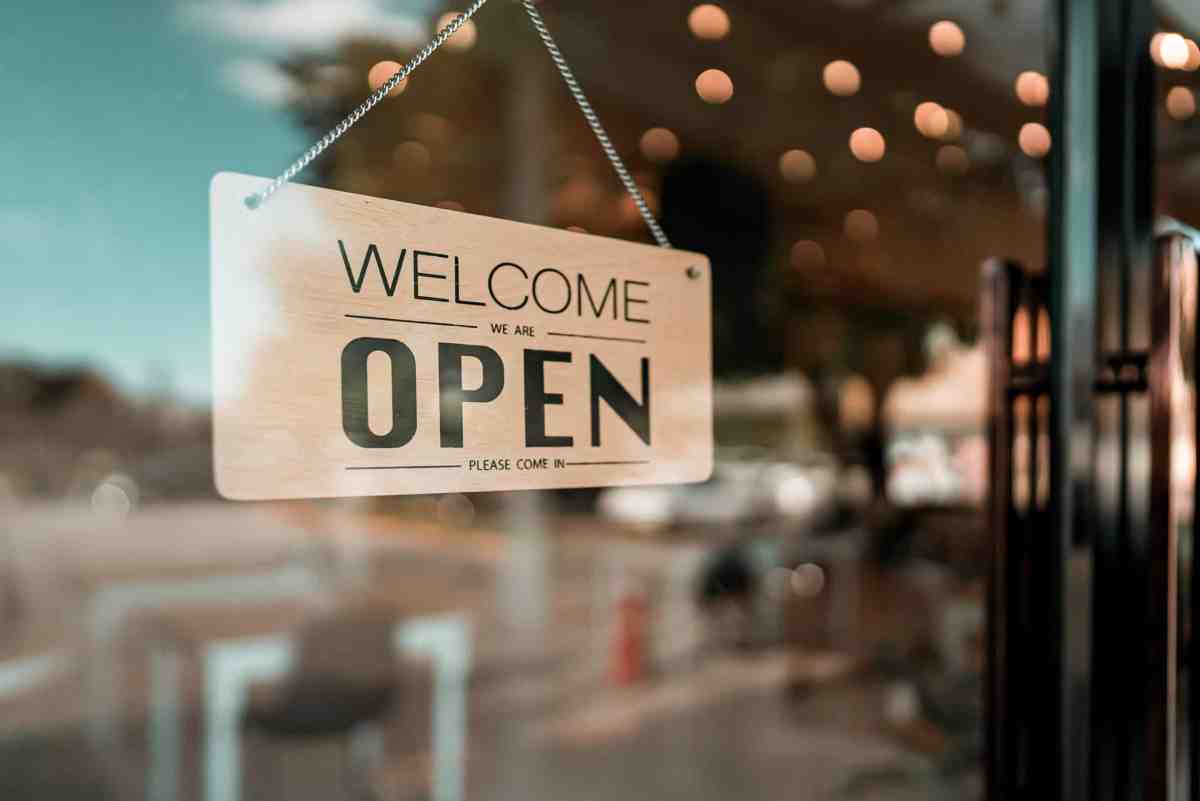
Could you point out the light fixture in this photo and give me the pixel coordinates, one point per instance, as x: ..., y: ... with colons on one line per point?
x: 464, y: 38
x: 953, y: 160
x: 1034, y: 140
x: 954, y: 126
x: 1155, y: 42
x: 807, y: 254
x: 708, y: 21
x: 714, y: 86
x: 861, y: 225
x: 867, y: 145
x: 1032, y: 88
x: 797, y: 166
x: 379, y: 74
x: 659, y: 145
x: 931, y: 119
x: 841, y: 78
x: 1193, y: 62
x: 946, y: 38
x: 1173, y: 51
x: 1181, y: 103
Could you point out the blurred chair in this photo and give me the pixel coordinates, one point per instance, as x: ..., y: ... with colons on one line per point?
x: 344, y: 686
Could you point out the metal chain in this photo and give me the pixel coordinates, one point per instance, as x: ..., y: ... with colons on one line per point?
x: 258, y: 198
x: 593, y: 121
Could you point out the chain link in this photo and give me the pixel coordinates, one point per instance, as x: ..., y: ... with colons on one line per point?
x: 258, y: 198
x: 593, y: 122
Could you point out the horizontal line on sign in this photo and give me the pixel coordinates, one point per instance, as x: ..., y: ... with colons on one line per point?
x: 591, y: 464
x: 594, y: 336
x: 407, y: 467
x: 415, y: 322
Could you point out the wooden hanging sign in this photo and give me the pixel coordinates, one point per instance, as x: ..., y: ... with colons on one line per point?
x: 370, y: 347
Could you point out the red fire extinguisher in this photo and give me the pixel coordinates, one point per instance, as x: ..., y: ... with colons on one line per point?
x: 628, y: 664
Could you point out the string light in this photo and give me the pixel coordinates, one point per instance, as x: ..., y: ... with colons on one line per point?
x: 1173, y: 51
x: 841, y: 78
x: 709, y: 21
x: 1181, y: 103
x: 1034, y: 140
x: 861, y: 225
x: 379, y: 74
x: 954, y: 126
x: 953, y: 160
x: 946, y: 38
x: 659, y: 145
x: 464, y: 38
x: 931, y: 119
x: 797, y: 166
x: 867, y: 145
x: 1032, y: 88
x: 1193, y: 62
x: 714, y: 86
x: 807, y: 254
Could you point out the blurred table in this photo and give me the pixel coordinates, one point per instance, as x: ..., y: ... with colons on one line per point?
x: 233, y: 659
x: 115, y: 602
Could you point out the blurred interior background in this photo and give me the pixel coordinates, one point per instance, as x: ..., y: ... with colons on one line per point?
x: 809, y: 622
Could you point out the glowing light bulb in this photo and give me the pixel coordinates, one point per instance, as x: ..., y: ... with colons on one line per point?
x: 841, y: 78
x: 714, y: 86
x: 709, y: 21
x: 381, y: 73
x: 867, y: 145
x: 1032, y: 88
x: 946, y: 38
x: 1034, y: 140
x: 797, y: 166
x: 464, y: 38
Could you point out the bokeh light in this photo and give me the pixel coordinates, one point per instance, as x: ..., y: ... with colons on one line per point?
x: 953, y: 160
x: 714, y: 86
x: 1193, y: 61
x: 931, y: 119
x: 709, y: 21
x: 464, y: 38
x: 379, y: 74
x: 1034, y: 140
x: 1032, y: 88
x: 867, y: 145
x: 1173, y: 51
x: 808, y: 580
x: 807, y: 255
x: 861, y: 225
x: 797, y: 166
x: 841, y: 78
x: 1181, y: 103
x: 659, y: 145
x: 954, y: 127
x: 946, y: 38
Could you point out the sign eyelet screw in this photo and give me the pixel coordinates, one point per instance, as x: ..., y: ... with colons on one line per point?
x: 693, y: 273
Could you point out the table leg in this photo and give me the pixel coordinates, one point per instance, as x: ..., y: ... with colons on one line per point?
x: 165, y: 703
x: 228, y: 670
x: 448, y: 643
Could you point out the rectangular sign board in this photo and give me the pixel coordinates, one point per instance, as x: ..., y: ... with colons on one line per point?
x: 370, y: 347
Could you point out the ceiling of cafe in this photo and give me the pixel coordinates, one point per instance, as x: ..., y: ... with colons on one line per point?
x: 940, y: 204
x: 936, y: 226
